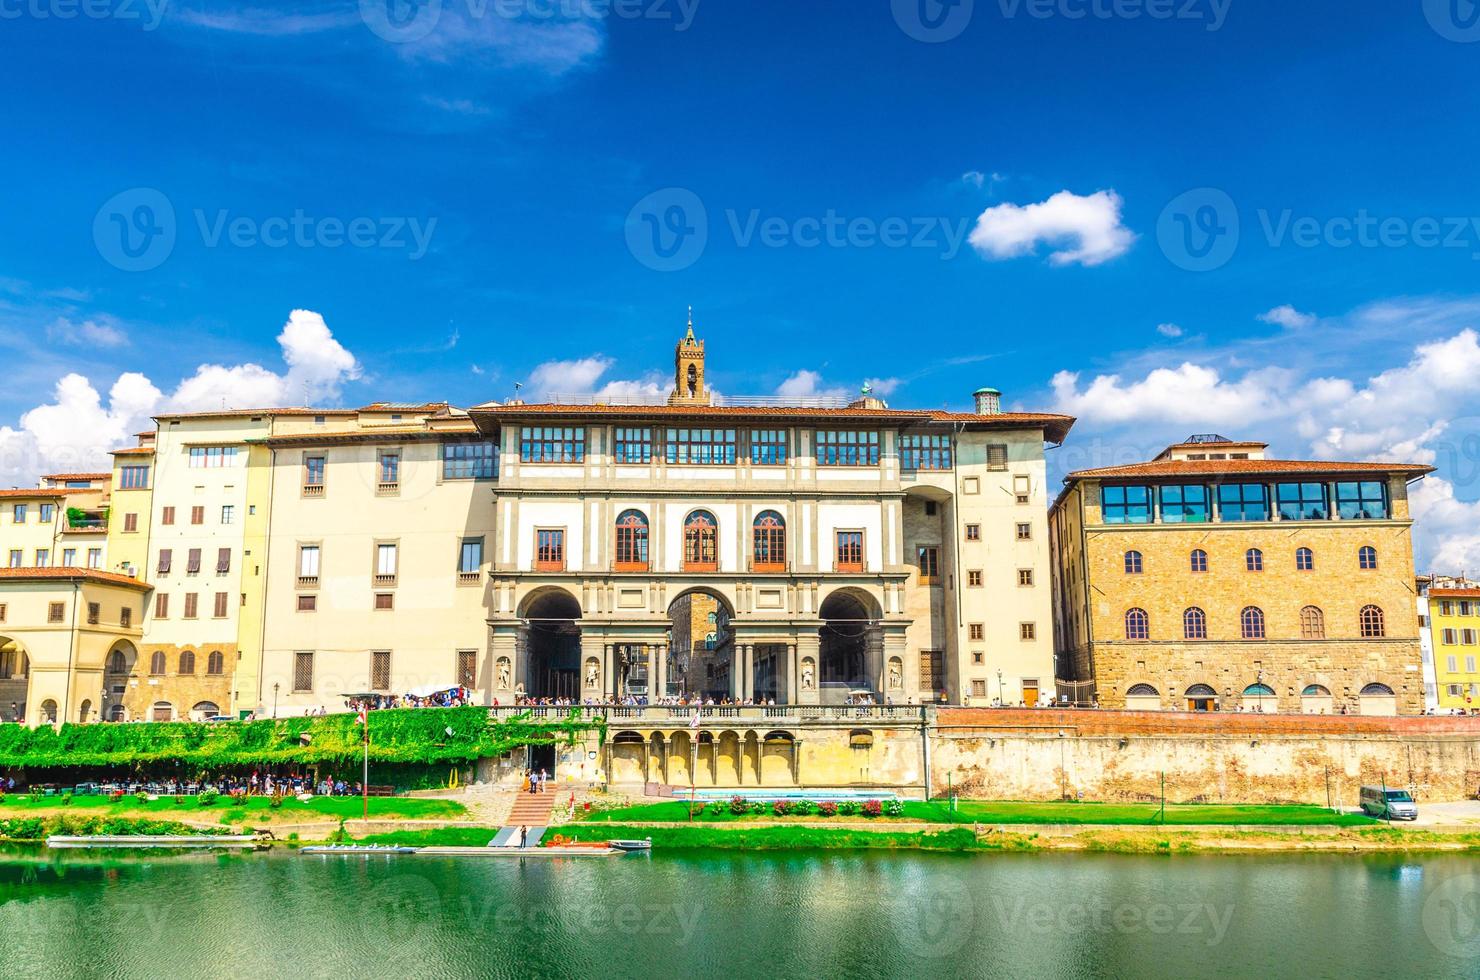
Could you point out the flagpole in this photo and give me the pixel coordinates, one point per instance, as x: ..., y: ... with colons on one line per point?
x: 365, y: 774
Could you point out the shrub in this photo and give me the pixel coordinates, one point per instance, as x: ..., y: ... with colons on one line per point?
x: 894, y: 808
x: 738, y: 805
x: 239, y: 797
x: 802, y: 808
x: 872, y: 808
x: 276, y: 802
x: 207, y: 797
x: 142, y: 796
x: 758, y: 807
x: 781, y: 808
x: 827, y: 808
x: 848, y: 808
x: 66, y: 799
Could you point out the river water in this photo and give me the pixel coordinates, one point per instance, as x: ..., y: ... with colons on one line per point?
x: 724, y: 914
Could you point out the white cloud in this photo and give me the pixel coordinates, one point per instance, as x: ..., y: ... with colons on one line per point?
x: 1450, y: 527
x: 884, y: 387
x: 1169, y: 330
x: 262, y: 22
x: 581, y: 377
x: 1084, y: 230
x: 1288, y: 317
x: 809, y: 384
x: 93, y: 332
x: 979, y: 180
x: 76, y: 429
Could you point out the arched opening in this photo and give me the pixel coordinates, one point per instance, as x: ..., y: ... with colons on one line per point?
x: 15, y: 674
x: 628, y: 758
x: 204, y: 711
x: 1260, y: 697
x: 1315, y: 699
x: 851, y: 650
x: 768, y: 542
x: 215, y: 663
x: 84, y: 711
x: 162, y: 711
x: 553, y: 645
x: 49, y: 712
x: 701, y: 648
x: 632, y: 541
x: 117, y: 713
x: 1378, y: 699
x: 700, y: 542
x: 1201, y: 697
x: 1142, y: 697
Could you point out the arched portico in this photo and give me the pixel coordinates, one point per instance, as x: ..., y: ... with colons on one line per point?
x: 15, y: 676
x: 851, y: 647
x: 550, y: 645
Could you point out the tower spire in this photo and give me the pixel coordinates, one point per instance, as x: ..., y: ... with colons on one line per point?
x: 691, y: 323
x: 688, y: 370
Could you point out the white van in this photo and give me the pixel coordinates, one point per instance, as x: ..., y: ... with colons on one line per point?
x: 1388, y: 804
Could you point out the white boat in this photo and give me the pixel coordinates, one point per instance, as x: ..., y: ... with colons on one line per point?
x: 154, y: 840
x: 632, y: 845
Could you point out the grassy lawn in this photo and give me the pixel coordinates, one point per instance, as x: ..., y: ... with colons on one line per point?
x: 256, y: 809
x: 444, y: 837
x: 784, y: 838
x: 982, y: 811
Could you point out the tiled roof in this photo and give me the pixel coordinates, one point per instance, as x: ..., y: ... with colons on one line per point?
x: 72, y: 575
x: 134, y: 451
x: 22, y: 494
x: 231, y: 413
x: 1055, y: 427
x: 1454, y: 593
x: 1234, y: 467
x: 380, y: 434
x: 76, y: 476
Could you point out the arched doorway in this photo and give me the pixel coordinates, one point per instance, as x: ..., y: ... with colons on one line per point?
x: 204, y: 711
x: 1201, y: 697
x: 1260, y: 697
x: 851, y: 645
x: 15, y: 676
x: 553, y: 643
x: 1378, y: 699
x: 701, y: 647
x: 84, y: 711
x: 1142, y: 697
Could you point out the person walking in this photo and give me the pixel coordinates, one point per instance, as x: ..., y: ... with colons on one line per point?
x: 523, y: 836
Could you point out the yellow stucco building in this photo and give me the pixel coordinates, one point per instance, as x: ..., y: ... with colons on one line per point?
x: 1454, y: 625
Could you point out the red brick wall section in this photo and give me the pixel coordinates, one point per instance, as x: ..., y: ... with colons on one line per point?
x: 1104, y: 722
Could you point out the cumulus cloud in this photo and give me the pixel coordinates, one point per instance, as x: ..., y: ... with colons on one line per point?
x: 1083, y: 230
x: 1288, y: 317
x: 1169, y: 330
x: 76, y: 429
x: 583, y: 375
x: 94, y: 332
x: 884, y: 387
x: 809, y: 384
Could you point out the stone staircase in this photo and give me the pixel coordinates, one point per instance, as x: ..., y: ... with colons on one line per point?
x: 530, y: 810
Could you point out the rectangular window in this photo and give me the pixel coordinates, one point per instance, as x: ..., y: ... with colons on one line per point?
x: 1243, y: 502
x: 702, y: 447
x: 1446, y: 608
x: 130, y: 523
x: 1453, y: 662
x: 1469, y: 665
x: 3, y: 610
x: 17, y: 559
x: 847, y: 448
x: 850, y: 551
x: 973, y: 532
x: 94, y: 613
x: 18, y: 514
x: 380, y: 670
x: 467, y: 668
x: 1125, y: 505
x: 978, y: 689
x: 1451, y: 638
x: 470, y: 557
x: 308, y: 563
x: 1027, y: 631
x: 1467, y: 637
x: 385, y: 601
x: 126, y: 617
x: 308, y: 603
x: 95, y: 558
x: 69, y: 557
x: 390, y: 472
x: 1022, y: 489
x: 197, y: 515
x: 313, y: 476
x: 219, y: 611
x: 973, y: 578
x: 550, y: 550
x: 996, y: 458
x: 976, y: 631
x: 552, y: 444
x: 223, y: 561
x: 212, y: 457
x: 932, y: 670
x: 469, y: 461
x: 56, y: 612
x: 48, y: 513
x: 167, y: 516
x: 192, y: 562
x: 43, y: 557
x: 1025, y: 576
x: 634, y: 445
x: 385, y: 563
x: 228, y: 513
x: 1185, y: 504
x: 133, y: 477
x: 192, y: 604
x: 768, y: 447
x: 929, y: 561
x: 165, y: 556
x: 1302, y: 501
x: 1025, y: 532
x: 162, y: 606
x: 924, y: 452
x: 1362, y: 501
x: 303, y: 671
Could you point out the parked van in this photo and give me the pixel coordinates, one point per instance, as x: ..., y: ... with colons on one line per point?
x: 1389, y: 804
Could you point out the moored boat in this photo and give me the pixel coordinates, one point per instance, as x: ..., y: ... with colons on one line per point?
x: 153, y: 840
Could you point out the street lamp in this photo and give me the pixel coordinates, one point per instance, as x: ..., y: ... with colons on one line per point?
x: 1001, y: 699
x: 274, y: 700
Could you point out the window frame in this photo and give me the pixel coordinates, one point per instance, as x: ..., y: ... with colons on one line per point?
x: 768, y: 542
x: 633, y: 536
x: 632, y: 444
x: 846, y: 447
x: 1295, y: 502
x: 1352, y: 500
x: 549, y: 549
x: 1184, y: 511
x: 701, y: 446
x: 700, y: 532
x: 854, y: 546
x: 926, y: 451
x: 1118, y: 507
x: 1194, y: 623
x: 1235, y: 502
x: 469, y: 460
x: 770, y: 447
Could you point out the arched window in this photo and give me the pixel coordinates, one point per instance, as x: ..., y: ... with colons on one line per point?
x: 1305, y: 559
x: 1137, y: 625
x: 1254, y: 560
x: 1312, y: 623
x: 162, y: 711
x: 1194, y: 624
x: 1133, y: 563
x: 632, y: 542
x: 1259, y: 691
x: 156, y: 663
x: 1367, y: 557
x: 49, y: 711
x: 1251, y: 622
x: 1142, y: 691
x: 768, y: 553
x: 1371, y: 619
x: 205, y: 709
x: 1315, y: 691
x: 215, y: 663
x: 711, y: 640
x: 116, y: 713
x: 187, y: 661
x: 1199, y: 560
x: 700, y: 542
x: 1377, y: 690
x: 116, y: 664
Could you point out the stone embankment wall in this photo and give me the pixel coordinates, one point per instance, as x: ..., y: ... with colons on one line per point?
x: 1207, y: 758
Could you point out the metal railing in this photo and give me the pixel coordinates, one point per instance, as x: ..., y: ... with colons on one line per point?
x: 730, y: 712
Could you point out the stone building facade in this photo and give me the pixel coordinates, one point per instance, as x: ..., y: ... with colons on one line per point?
x: 1212, y: 578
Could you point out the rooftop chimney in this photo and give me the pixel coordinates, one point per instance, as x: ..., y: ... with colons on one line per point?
x: 988, y: 401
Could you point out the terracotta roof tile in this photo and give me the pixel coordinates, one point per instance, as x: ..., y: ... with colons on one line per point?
x: 76, y: 476
x: 72, y: 575
x: 134, y: 451
x: 1231, y: 467
x: 18, y: 494
x: 1454, y: 593
x: 231, y: 413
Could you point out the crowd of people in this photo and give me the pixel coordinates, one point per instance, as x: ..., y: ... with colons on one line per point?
x: 452, y: 697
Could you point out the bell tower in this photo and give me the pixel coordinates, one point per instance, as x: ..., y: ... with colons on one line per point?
x: 688, y: 370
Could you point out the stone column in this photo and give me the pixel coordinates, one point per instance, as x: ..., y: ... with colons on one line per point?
x: 608, y: 672
x: 809, y: 648
x: 894, y: 646
x: 790, y: 690
x: 660, y: 683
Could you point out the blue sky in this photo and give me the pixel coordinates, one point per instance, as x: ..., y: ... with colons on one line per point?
x: 1009, y: 179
